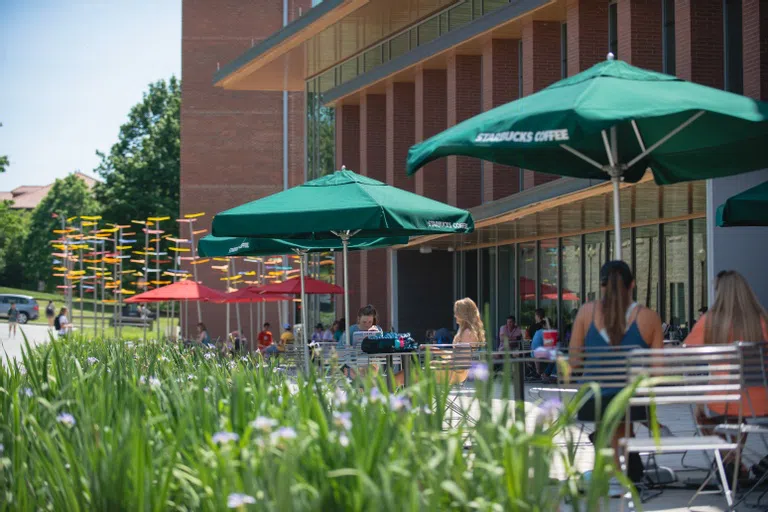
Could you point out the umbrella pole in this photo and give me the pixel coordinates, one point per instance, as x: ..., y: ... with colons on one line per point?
x: 345, y: 244
x: 250, y: 306
x: 615, y: 171
x: 302, y: 259
x: 616, y: 218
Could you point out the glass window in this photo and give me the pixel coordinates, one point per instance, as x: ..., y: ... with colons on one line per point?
x: 488, y: 283
x: 734, y: 78
x: 429, y: 30
x: 506, y: 281
x: 459, y: 15
x: 563, y: 50
x: 700, y: 289
x: 470, y: 275
x: 400, y: 45
x: 571, y: 284
x: 676, y: 274
x: 548, y: 281
x: 527, y: 280
x: 668, y: 36
x: 626, y: 245
x: 594, y: 250
x: 647, y: 271
x: 613, y: 29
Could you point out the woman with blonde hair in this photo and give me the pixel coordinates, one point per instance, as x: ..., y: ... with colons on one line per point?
x: 471, y: 329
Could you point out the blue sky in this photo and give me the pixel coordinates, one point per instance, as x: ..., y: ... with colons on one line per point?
x: 70, y: 70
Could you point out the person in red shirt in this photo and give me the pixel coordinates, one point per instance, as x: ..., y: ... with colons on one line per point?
x: 265, y: 341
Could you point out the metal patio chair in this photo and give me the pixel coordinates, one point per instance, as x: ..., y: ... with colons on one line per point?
x: 701, y: 376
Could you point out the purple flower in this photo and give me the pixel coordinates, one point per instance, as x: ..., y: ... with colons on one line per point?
x: 237, y: 500
x: 478, y: 371
x: 66, y: 419
x: 92, y: 360
x: 397, y: 403
x: 263, y: 423
x: 548, y: 411
x: 27, y: 392
x: 343, y: 420
x: 283, y: 433
x: 375, y: 395
x: 225, y: 437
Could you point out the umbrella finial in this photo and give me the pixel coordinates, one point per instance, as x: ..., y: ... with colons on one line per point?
x: 343, y: 167
x: 610, y: 56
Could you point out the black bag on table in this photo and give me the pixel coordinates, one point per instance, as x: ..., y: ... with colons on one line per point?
x: 389, y: 343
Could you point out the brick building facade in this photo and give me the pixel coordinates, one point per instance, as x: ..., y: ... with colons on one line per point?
x: 440, y: 66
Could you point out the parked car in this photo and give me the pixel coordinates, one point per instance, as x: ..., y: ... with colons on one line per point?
x: 132, y: 310
x: 27, y: 306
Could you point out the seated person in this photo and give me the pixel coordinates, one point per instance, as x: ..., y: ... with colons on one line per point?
x: 367, y: 320
x: 510, y: 335
x: 264, y: 340
x: 547, y: 374
x: 317, y: 336
x: 286, y: 338
x: 443, y: 336
x: 328, y: 333
x: 203, y: 337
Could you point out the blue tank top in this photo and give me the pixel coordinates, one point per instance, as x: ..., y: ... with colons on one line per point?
x: 597, y: 341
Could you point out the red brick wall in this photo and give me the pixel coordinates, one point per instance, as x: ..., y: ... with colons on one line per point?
x: 348, y: 137
x: 587, y: 33
x: 541, y: 67
x: 500, y: 86
x: 464, y: 81
x: 430, y: 119
x: 699, y: 39
x: 401, y: 128
x: 231, y: 141
x: 640, y: 34
x: 755, y: 49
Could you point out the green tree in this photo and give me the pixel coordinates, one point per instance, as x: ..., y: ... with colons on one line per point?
x: 14, y: 225
x: 68, y: 197
x: 141, y: 171
x: 4, y: 162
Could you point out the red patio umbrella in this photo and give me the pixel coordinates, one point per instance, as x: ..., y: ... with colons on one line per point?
x: 183, y: 290
x: 311, y: 286
x: 252, y: 294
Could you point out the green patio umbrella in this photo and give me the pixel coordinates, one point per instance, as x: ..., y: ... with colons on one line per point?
x: 613, y: 121
x: 749, y: 208
x: 340, y: 206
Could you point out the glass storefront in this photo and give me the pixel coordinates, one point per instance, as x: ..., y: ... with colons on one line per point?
x: 559, y: 274
x: 320, y: 144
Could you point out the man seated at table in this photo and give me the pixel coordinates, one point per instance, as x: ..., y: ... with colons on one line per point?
x: 510, y: 335
x: 286, y: 338
x: 265, y: 341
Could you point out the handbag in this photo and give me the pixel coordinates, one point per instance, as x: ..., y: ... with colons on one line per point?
x: 389, y: 343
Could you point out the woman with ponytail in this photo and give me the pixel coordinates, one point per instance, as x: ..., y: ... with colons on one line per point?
x: 614, y: 321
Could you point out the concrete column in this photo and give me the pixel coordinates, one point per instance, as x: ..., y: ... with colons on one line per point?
x: 500, y: 85
x: 430, y: 119
x: 640, y: 34
x: 755, y: 40
x: 464, y: 173
x: 401, y: 127
x: 541, y: 67
x: 587, y: 33
x: 699, y: 41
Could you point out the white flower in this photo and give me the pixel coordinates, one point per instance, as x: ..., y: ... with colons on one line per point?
x: 26, y: 391
x: 208, y: 355
x: 478, y: 371
x: 142, y: 380
x: 164, y: 359
x: 283, y: 433
x: 344, y: 440
x: 128, y: 344
x: 397, y: 403
x: 206, y: 389
x: 225, y: 437
x: 343, y: 420
x: 548, y: 411
x: 426, y: 410
x: 22, y: 369
x: 190, y: 377
x: 263, y: 423
x: 154, y: 382
x: 237, y: 500
x: 244, y: 359
x: 340, y: 396
x: 92, y: 360
x: 66, y: 419
x: 232, y: 365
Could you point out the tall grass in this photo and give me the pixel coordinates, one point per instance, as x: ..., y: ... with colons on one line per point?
x: 114, y: 425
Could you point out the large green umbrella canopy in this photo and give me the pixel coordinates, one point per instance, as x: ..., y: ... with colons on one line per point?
x: 339, y: 202
x: 722, y: 133
x: 614, y: 121
x: 749, y: 208
x: 212, y: 246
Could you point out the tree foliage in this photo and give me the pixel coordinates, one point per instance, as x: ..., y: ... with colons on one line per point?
x: 14, y: 225
x: 4, y: 162
x: 68, y: 197
x: 141, y: 171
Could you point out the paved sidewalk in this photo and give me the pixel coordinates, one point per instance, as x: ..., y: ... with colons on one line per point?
x: 36, y: 334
